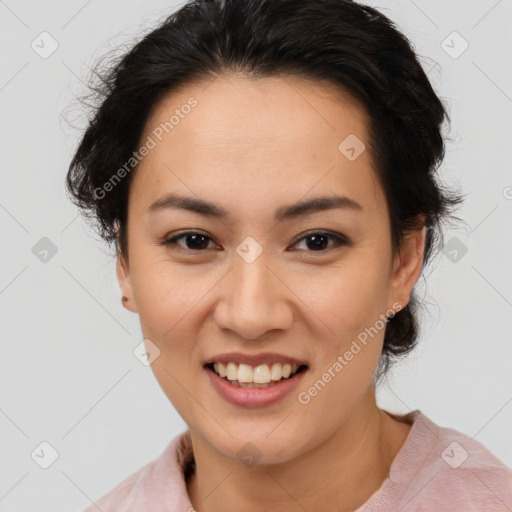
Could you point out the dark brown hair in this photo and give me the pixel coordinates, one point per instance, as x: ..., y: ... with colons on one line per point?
x: 352, y: 46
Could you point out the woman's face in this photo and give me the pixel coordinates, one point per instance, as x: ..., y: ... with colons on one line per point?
x: 261, y: 279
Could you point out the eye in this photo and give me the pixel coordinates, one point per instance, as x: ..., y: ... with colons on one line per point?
x: 316, y: 241
x: 194, y: 241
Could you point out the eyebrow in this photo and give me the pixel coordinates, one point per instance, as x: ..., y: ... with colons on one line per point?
x: 214, y: 210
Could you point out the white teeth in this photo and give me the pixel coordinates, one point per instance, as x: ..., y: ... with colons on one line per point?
x: 221, y: 369
x: 261, y: 374
x: 231, y: 371
x: 276, y: 371
x: 245, y: 373
x: 287, y: 368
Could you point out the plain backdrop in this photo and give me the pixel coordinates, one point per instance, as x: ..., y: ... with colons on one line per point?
x: 68, y: 374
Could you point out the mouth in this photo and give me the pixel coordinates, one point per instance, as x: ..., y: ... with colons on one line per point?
x: 261, y: 376
x: 248, y: 386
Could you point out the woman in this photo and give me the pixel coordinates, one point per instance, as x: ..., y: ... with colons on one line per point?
x: 267, y: 173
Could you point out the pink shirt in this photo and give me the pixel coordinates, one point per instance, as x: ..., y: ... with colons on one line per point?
x: 437, y: 469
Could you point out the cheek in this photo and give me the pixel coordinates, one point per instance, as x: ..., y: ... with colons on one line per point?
x: 349, y: 301
x: 173, y: 304
x: 346, y: 298
x: 166, y: 293
x: 168, y: 301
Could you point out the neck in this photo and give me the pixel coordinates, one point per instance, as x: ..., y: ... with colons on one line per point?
x: 339, y: 474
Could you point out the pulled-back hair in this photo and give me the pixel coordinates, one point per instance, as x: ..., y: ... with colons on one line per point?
x: 349, y: 45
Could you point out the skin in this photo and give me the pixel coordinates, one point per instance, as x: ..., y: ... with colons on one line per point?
x: 253, y: 146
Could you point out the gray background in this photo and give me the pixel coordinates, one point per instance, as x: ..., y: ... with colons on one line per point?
x: 68, y: 374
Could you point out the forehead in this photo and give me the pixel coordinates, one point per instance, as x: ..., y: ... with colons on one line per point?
x: 238, y: 138
x: 236, y: 110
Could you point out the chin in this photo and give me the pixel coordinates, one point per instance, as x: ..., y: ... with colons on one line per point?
x: 259, y: 450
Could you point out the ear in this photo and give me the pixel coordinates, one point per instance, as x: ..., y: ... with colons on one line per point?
x: 123, y: 278
x: 407, y: 266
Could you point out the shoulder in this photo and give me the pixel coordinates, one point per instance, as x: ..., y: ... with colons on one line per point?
x: 116, y: 498
x: 455, y: 472
x: 161, y: 479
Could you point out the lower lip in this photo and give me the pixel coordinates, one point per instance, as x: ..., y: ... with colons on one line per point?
x: 254, y: 397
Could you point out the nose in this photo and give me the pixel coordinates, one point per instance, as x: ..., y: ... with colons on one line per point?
x: 254, y: 300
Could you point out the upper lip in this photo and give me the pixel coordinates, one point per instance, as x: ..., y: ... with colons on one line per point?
x: 254, y: 360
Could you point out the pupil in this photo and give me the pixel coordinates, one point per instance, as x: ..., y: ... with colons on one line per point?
x: 316, y: 241
x: 195, y: 237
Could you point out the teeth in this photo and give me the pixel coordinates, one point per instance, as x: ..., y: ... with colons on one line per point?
x: 232, y: 371
x: 276, y: 372
x: 221, y: 369
x: 261, y: 374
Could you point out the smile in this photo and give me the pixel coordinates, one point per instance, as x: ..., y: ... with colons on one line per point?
x: 251, y: 394
x: 261, y: 376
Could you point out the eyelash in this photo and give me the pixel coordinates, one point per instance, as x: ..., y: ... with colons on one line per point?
x: 337, y: 237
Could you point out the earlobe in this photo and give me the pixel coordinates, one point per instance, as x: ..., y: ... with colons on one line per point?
x: 123, y: 278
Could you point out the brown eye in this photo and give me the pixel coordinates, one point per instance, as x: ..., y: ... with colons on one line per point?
x: 317, y: 241
x: 194, y: 241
